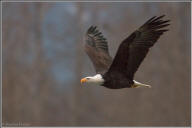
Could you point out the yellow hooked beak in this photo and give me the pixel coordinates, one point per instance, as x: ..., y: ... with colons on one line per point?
x: 83, y: 80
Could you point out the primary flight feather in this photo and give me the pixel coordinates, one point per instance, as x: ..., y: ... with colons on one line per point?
x: 119, y: 72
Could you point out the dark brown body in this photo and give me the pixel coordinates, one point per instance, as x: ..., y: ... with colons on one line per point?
x: 117, y: 80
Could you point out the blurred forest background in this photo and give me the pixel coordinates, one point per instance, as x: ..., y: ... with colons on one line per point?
x: 44, y: 60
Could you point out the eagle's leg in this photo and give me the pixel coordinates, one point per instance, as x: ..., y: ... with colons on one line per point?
x: 138, y: 84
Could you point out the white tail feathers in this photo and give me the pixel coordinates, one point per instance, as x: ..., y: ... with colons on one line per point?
x: 138, y: 84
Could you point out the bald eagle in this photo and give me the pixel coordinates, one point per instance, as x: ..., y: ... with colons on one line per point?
x: 119, y: 72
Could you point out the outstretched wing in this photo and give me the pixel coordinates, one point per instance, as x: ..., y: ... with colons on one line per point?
x: 133, y: 49
x: 97, y: 49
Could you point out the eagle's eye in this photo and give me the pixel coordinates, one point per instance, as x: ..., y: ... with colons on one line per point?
x: 87, y: 78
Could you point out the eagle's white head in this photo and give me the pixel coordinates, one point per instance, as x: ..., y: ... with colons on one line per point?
x: 96, y: 80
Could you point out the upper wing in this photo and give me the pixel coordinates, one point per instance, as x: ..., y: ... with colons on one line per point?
x: 133, y: 49
x: 97, y: 49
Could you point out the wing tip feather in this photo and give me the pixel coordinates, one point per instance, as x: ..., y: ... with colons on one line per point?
x: 91, y: 29
x: 155, y: 23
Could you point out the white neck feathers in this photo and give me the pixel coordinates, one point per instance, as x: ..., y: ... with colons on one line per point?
x: 97, y: 79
